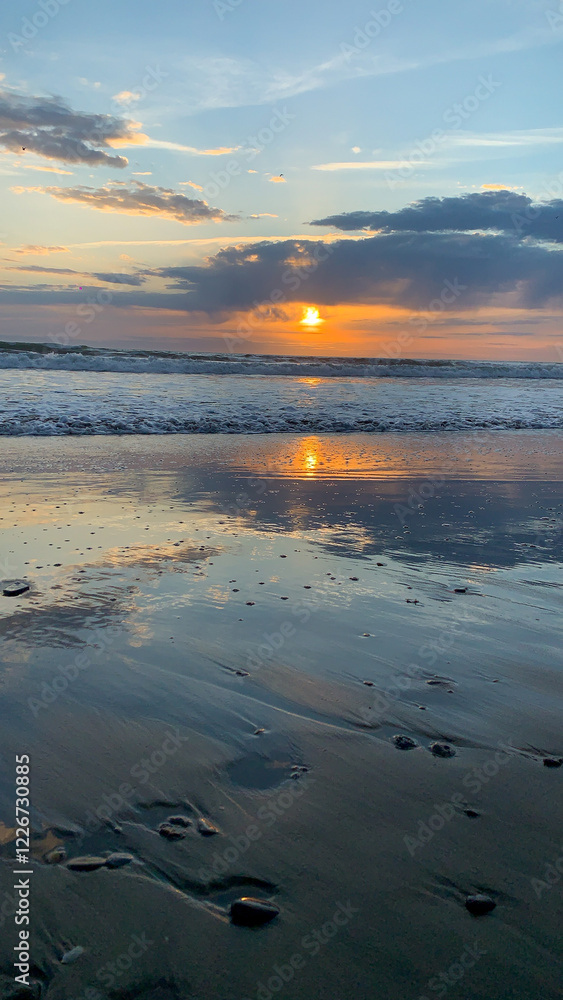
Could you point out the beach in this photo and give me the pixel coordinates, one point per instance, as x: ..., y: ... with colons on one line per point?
x: 233, y: 629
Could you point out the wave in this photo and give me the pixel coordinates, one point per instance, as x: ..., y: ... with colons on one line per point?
x: 44, y: 357
x: 62, y: 426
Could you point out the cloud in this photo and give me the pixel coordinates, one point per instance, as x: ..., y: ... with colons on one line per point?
x: 279, y: 179
x: 192, y: 184
x: 501, y: 210
x: 137, y: 198
x: 111, y: 277
x: 516, y: 138
x: 363, y: 165
x: 50, y: 128
x: 162, y: 144
x: 126, y: 97
x: 46, y: 170
x: 407, y: 270
x: 37, y: 251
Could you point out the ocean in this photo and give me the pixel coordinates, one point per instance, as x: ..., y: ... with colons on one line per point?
x: 47, y: 391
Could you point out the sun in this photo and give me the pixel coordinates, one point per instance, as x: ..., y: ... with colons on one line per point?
x: 311, y: 317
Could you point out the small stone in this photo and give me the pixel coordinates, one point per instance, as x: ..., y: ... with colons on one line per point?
x: 368, y: 684
x: 404, y: 742
x: 13, y: 588
x: 171, y: 832
x: 89, y: 863
x: 55, y: 857
x: 118, y: 860
x: 472, y: 813
x: 241, y: 673
x: 250, y: 604
x: 442, y: 750
x: 71, y: 956
x: 179, y: 820
x: 460, y: 590
x: 354, y: 578
x: 552, y: 761
x: 479, y: 903
x: 258, y: 732
x: 206, y: 828
x: 250, y: 912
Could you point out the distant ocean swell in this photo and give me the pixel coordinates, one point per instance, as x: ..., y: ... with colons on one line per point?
x: 43, y: 357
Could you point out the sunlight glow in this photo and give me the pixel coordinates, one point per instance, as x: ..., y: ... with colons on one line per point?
x: 311, y: 317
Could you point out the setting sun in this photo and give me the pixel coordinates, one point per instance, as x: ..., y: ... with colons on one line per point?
x: 311, y: 317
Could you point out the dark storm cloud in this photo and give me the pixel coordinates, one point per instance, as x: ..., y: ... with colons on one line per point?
x: 136, y: 198
x: 49, y: 127
x: 506, y: 211
x: 411, y: 270
x: 397, y: 269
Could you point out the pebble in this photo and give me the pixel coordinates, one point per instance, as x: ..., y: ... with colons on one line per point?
x: 206, y: 828
x: 472, y: 813
x: 171, y: 832
x: 479, y: 903
x: 118, y: 860
x: 55, y: 856
x: 442, y: 750
x: 404, y: 742
x: 460, y: 590
x: 88, y: 863
x: 14, y: 588
x: 71, y: 956
x: 179, y: 820
x: 552, y: 761
x: 258, y: 732
x: 368, y: 684
x: 250, y: 912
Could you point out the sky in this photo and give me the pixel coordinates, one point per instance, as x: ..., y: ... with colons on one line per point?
x: 299, y: 178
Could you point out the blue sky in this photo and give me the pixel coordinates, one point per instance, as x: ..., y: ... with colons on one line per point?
x: 361, y: 108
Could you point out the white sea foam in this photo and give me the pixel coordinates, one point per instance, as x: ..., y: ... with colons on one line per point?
x: 34, y: 402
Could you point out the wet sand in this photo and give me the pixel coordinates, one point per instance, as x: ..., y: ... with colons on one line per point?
x: 233, y: 630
